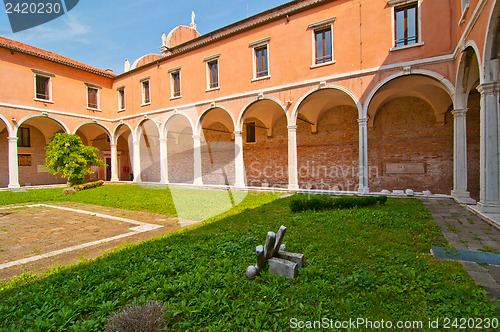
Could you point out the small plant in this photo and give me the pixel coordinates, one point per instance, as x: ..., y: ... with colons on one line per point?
x: 68, y: 156
x: 147, y: 317
x: 69, y: 191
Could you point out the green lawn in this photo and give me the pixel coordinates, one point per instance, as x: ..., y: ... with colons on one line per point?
x: 371, y: 262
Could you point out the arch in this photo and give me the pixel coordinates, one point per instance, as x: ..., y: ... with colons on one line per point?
x: 463, y: 83
x: 197, y: 127
x: 239, y: 123
x: 115, y: 131
x: 170, y: 116
x: 351, y: 94
x: 108, y: 132
x: 491, y: 54
x: 138, y: 134
x: 449, y: 89
x: 437, y: 99
x: 63, y: 126
x: 10, y: 131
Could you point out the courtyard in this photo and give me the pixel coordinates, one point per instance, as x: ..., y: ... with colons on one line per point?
x: 364, y: 262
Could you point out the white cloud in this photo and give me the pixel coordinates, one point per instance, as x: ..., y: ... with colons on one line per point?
x: 65, y: 28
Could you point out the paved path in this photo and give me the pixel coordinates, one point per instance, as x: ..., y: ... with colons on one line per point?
x: 466, y: 231
x: 39, y: 237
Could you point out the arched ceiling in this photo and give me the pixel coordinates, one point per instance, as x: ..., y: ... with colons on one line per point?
x: 47, y: 126
x: 321, y: 101
x: 217, y: 115
x: 267, y: 111
x: 418, y: 86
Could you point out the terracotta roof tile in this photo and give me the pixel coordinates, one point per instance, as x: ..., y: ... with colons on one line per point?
x: 51, y: 56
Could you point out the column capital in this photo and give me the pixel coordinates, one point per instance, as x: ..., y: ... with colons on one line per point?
x: 163, y: 140
x: 363, y: 121
x: 459, y: 112
x: 292, y: 128
x: 238, y: 133
x: 489, y: 88
x: 136, y: 141
x: 113, y: 145
x: 197, y: 137
x: 12, y: 139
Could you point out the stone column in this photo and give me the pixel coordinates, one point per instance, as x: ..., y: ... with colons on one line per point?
x: 239, y: 166
x: 459, y: 191
x: 198, y: 175
x: 489, y: 150
x: 363, y: 156
x: 163, y: 161
x: 114, y: 162
x: 13, y: 164
x: 293, y: 179
x: 137, y: 160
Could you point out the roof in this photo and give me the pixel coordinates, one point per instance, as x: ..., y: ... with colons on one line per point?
x: 262, y: 18
x: 51, y: 56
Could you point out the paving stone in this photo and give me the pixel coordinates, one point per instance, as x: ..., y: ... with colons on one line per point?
x: 471, y: 266
x: 484, y: 279
x: 494, y: 271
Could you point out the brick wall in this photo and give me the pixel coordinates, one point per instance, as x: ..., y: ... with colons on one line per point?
x: 328, y: 159
x: 180, y: 155
x: 266, y: 160
x: 217, y: 154
x: 406, y: 132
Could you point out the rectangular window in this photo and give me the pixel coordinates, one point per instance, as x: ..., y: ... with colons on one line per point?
x: 261, y: 62
x: 92, y: 97
x: 213, y: 72
x: 23, y: 140
x: 42, y: 87
x: 121, y: 99
x: 250, y: 128
x: 406, y: 25
x: 146, y: 99
x: 323, y: 41
x: 176, y: 83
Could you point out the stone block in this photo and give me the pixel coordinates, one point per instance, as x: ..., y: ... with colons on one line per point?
x: 409, y: 192
x: 292, y: 257
x: 427, y: 193
x: 398, y: 192
x: 279, y: 240
x: 269, y: 246
x: 261, y: 257
x: 283, y: 268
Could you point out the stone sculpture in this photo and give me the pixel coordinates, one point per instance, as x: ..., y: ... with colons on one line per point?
x: 281, y: 262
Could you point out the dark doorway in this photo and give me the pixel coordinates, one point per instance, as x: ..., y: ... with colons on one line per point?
x: 108, y: 169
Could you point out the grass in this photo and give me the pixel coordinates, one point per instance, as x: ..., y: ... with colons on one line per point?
x: 371, y: 262
x: 130, y: 197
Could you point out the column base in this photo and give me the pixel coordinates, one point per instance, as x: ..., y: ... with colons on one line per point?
x: 198, y: 182
x: 293, y: 187
x: 239, y: 185
x: 363, y: 190
x: 462, y: 197
x: 488, y: 208
x: 14, y: 186
x: 115, y: 180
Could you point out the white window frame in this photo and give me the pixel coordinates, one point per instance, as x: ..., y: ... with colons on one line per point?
x: 264, y: 42
x: 208, y: 61
x: 97, y: 88
x: 321, y: 25
x: 172, y: 72
x: 396, y: 4
x: 46, y: 75
x: 144, y: 80
x: 121, y: 107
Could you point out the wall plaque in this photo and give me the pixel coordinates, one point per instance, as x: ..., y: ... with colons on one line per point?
x: 24, y: 159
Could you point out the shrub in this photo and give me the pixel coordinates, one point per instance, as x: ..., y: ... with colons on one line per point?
x: 323, y: 202
x: 69, y: 191
x: 88, y: 185
x: 147, y: 317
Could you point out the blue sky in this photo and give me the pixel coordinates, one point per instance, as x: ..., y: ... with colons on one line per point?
x: 104, y: 33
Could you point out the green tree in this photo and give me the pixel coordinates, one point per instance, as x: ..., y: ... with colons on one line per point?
x: 68, y: 156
